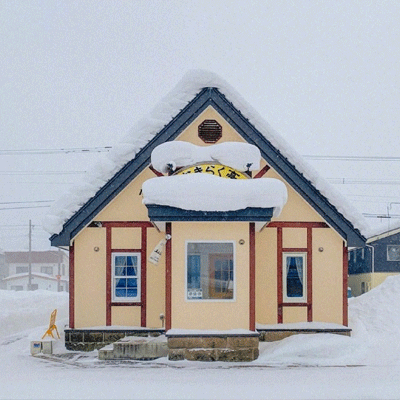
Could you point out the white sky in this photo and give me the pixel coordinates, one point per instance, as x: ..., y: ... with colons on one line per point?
x: 324, y: 74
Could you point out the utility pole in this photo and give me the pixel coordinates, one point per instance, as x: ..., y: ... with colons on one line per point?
x: 30, y: 257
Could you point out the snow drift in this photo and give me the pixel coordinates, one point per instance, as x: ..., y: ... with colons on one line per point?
x: 204, y: 192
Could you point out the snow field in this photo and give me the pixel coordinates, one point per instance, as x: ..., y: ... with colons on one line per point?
x: 324, y: 366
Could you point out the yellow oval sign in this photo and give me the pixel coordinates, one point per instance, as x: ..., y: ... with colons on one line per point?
x: 214, y: 169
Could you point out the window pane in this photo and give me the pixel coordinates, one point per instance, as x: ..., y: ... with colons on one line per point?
x: 131, y: 292
x: 126, y: 274
x: 131, y: 271
x: 120, y: 282
x: 210, y: 270
x: 120, y: 293
x: 131, y: 283
x: 393, y: 253
x: 294, y: 276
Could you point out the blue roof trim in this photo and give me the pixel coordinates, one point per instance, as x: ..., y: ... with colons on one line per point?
x: 159, y: 213
x: 205, y: 98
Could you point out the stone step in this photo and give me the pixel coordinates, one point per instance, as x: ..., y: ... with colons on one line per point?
x: 135, y: 348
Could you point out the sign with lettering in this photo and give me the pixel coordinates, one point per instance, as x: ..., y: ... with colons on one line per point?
x: 214, y: 169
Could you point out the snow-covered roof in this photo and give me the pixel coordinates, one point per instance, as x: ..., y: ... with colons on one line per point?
x: 240, y: 156
x: 145, y: 130
x: 204, y: 192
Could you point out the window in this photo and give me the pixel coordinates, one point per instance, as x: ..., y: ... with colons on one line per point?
x: 17, y: 288
x: 294, y: 277
x: 46, y: 270
x: 21, y: 270
x: 393, y: 252
x: 126, y: 277
x: 210, y: 270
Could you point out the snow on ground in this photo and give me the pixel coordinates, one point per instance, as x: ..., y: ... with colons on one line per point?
x: 322, y: 366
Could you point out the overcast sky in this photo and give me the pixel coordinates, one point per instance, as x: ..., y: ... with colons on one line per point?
x: 75, y: 74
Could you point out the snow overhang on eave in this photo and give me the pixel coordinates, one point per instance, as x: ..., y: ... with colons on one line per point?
x: 160, y: 214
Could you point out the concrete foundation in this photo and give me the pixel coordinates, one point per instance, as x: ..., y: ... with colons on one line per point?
x: 217, y: 347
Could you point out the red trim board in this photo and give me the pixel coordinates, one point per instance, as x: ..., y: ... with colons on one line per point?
x: 168, y: 277
x: 143, y: 280
x: 252, y: 276
x: 72, y: 286
x: 345, y: 284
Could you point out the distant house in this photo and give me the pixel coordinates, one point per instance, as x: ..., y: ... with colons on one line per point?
x: 370, y: 265
x: 49, y: 270
x: 209, y: 224
x: 20, y: 282
x: 3, y: 271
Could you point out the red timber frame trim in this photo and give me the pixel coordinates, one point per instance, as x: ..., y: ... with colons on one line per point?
x: 155, y: 171
x: 308, y: 250
x: 143, y: 273
x: 345, y: 284
x: 262, y: 172
x: 168, y: 277
x: 252, y: 276
x: 72, y: 286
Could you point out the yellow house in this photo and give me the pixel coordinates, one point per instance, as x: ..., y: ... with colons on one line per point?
x: 207, y: 226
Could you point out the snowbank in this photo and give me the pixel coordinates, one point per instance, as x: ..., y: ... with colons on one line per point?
x: 23, y: 310
x: 204, y: 192
x: 146, y: 129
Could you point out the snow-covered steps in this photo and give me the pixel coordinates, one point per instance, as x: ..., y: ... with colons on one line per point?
x: 135, y: 348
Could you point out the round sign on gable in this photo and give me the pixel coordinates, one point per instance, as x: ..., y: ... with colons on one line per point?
x: 220, y: 170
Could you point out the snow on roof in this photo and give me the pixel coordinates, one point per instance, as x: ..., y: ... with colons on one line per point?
x: 204, y: 192
x: 191, y: 84
x: 240, y: 156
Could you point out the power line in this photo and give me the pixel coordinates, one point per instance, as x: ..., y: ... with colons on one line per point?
x: 76, y: 150
x: 18, y: 208
x: 26, y: 202
x: 351, y: 158
x: 347, y: 181
x: 9, y: 173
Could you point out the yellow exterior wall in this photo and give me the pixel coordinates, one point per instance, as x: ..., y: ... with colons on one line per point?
x: 125, y: 316
x: 190, y: 134
x: 266, y: 277
x: 126, y: 238
x: 90, y: 278
x: 371, y: 280
x: 327, y: 276
x: 155, y: 282
x: 210, y: 314
x: 127, y: 206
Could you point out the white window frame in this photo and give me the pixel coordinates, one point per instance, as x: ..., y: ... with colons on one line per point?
x: 138, y: 277
x: 387, y: 252
x: 287, y: 299
x: 234, y: 271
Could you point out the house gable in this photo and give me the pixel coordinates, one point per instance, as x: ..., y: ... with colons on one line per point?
x: 209, y: 100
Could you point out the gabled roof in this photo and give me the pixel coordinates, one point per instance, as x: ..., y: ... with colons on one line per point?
x: 205, y: 90
x: 382, y: 233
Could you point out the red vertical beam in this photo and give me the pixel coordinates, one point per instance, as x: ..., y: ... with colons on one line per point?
x: 143, y: 278
x: 279, y: 258
x: 345, y: 284
x: 72, y: 286
x: 168, y: 277
x: 309, y: 275
x: 108, y: 276
x: 252, y: 277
